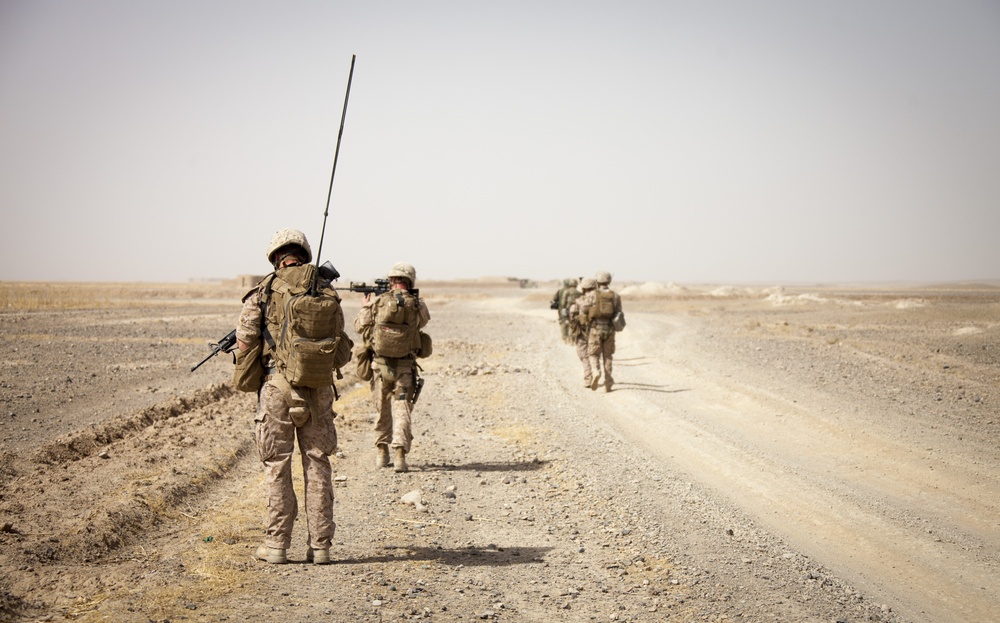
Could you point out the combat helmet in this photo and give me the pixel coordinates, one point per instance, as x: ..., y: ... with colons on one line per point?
x: 587, y: 284
x: 571, y: 282
x: 285, y: 237
x: 602, y: 278
x: 407, y: 271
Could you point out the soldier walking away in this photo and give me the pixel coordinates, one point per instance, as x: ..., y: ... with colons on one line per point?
x: 579, y: 328
x: 294, y: 389
x: 603, y: 309
x: 555, y: 304
x: 391, y: 326
x: 566, y: 298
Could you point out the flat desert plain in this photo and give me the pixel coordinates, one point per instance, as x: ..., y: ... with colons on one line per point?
x: 816, y: 454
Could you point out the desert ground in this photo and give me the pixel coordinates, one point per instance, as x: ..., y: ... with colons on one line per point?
x: 815, y: 454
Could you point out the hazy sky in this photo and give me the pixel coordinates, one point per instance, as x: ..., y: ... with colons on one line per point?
x: 687, y: 141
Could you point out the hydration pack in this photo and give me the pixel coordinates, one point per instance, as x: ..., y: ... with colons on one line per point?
x: 397, y: 324
x: 604, y: 305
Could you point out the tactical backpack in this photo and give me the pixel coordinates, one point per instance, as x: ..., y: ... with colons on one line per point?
x: 604, y: 305
x: 397, y: 324
x: 310, y: 343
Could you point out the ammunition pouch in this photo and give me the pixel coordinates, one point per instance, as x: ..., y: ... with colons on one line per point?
x: 248, y: 374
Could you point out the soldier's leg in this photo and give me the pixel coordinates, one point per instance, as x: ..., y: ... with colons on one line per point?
x: 382, y: 395
x: 275, y: 436
x: 402, y: 434
x: 317, y: 441
x: 594, y: 354
x: 608, y: 353
x: 581, y: 352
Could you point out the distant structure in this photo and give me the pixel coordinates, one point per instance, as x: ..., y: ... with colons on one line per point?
x: 248, y: 281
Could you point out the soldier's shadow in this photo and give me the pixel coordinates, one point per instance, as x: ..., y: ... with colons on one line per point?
x: 503, y: 466
x: 491, y: 556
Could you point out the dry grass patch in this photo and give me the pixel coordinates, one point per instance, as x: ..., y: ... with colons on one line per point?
x: 38, y: 296
x: 218, y: 570
x: 518, y: 433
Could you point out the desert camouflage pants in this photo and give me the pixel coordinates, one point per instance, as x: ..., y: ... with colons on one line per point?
x: 393, y: 379
x: 285, y: 413
x: 601, y: 350
x: 580, y: 341
x: 564, y: 329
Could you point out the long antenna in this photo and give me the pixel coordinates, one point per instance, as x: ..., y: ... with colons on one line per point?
x: 336, y: 154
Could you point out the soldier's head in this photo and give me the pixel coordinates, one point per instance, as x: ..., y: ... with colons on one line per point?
x: 603, y: 278
x: 288, y: 247
x: 571, y: 282
x: 587, y: 284
x: 401, y: 272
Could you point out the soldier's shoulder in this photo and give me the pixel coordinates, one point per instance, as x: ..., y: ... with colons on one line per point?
x: 266, y: 280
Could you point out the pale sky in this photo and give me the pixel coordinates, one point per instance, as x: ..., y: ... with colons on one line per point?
x: 688, y: 141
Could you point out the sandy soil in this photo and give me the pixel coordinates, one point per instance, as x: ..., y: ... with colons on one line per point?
x: 809, y: 454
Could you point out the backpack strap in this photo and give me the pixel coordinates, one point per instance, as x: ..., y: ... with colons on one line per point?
x: 264, y: 300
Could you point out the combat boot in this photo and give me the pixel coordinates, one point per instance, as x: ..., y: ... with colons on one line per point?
x: 399, y: 460
x: 587, y: 381
x: 273, y: 555
x: 318, y: 556
x: 382, y: 455
x: 594, y: 383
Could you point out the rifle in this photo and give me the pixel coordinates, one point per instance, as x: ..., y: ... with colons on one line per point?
x: 225, y: 345
x: 381, y: 287
x: 417, y: 388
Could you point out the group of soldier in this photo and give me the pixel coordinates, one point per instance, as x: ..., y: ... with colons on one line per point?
x: 291, y: 341
x: 590, y: 313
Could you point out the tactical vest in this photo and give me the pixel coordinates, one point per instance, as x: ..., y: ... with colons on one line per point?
x: 604, y: 305
x: 397, y: 324
x: 307, y: 327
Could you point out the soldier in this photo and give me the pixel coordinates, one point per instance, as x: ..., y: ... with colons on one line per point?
x: 566, y: 297
x: 579, y: 328
x: 600, y: 307
x: 391, y: 326
x: 295, y: 393
x: 554, y: 305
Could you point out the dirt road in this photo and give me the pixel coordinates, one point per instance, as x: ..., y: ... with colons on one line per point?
x: 850, y: 457
x: 818, y: 455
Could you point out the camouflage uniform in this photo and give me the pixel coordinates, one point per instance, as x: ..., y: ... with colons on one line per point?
x: 601, y: 334
x: 556, y: 304
x: 566, y: 297
x: 284, y: 414
x: 579, y: 329
x: 392, y: 381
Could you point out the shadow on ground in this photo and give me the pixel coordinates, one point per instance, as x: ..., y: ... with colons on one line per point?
x: 529, y: 466
x: 468, y: 556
